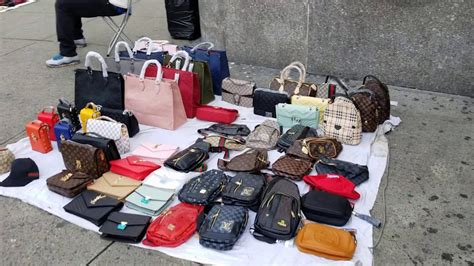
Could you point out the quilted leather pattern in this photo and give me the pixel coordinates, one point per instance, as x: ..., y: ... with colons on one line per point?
x: 6, y: 159
x: 289, y: 115
x: 223, y: 226
x: 292, y: 167
x: 84, y: 158
x: 204, y: 188
x: 264, y: 101
x: 342, y: 121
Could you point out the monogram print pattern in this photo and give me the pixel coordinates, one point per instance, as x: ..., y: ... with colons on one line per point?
x: 111, y: 130
x: 6, y: 159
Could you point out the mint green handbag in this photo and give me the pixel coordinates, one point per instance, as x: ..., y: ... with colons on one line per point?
x: 149, y: 200
x: 289, y: 115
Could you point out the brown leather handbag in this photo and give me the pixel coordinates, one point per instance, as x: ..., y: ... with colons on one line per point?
x: 292, y: 167
x: 382, y: 95
x: 370, y: 110
x: 326, y: 241
x: 296, y: 150
x: 252, y: 160
x: 317, y: 146
x: 67, y: 183
x: 84, y: 158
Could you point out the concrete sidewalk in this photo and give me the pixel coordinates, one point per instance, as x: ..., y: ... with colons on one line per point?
x: 429, y: 199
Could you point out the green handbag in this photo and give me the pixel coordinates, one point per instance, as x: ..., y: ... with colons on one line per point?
x: 149, y: 200
x: 201, y: 68
x: 289, y: 115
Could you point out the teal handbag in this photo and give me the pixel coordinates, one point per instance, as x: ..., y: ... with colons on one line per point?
x: 149, y: 200
x: 289, y: 115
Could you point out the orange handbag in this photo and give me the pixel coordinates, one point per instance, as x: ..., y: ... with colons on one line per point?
x: 326, y: 241
x: 38, y: 132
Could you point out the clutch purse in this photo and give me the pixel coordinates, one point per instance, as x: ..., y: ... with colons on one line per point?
x: 88, y: 112
x: 265, y: 100
x: 238, y: 92
x: 115, y: 186
x: 6, y: 159
x: 289, y: 115
x: 67, y: 183
x: 216, y: 114
x: 93, y: 206
x: 125, y: 227
x: 109, y: 128
x: 133, y: 167
x: 149, y: 200
x: 105, y: 144
x: 84, y: 158
x: 38, y: 133
x: 156, y: 153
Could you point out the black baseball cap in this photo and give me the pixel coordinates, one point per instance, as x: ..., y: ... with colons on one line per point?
x: 23, y: 171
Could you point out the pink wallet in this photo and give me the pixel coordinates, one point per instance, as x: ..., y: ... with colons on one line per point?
x: 157, y: 153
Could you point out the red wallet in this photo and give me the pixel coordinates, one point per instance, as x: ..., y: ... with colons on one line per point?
x: 133, y: 167
x: 216, y: 114
x: 50, y: 118
x: 334, y: 184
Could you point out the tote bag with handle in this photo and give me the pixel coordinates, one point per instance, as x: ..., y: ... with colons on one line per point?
x: 155, y: 102
x: 125, y: 64
x: 188, y: 82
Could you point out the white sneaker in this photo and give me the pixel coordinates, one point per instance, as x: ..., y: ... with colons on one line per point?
x: 60, y: 61
x: 80, y: 43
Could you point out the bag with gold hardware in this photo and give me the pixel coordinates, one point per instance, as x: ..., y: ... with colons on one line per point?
x: 173, y: 227
x: 238, y: 92
x: 293, y: 87
x: 67, y: 183
x: 133, y: 167
x: 38, y: 133
x: 50, y: 118
x: 107, y: 145
x: 63, y: 130
x: 84, y: 158
x: 326, y: 241
x: 190, y: 158
x: 292, y: 167
x: 89, y: 112
x: 225, y: 144
x: 111, y: 129
x: 203, y: 189
x: 6, y: 159
x: 315, y: 147
x: 223, y: 226
x: 93, y: 206
x: 251, y: 161
x: 114, y: 185
x: 295, y: 150
x: 278, y: 216
x: 244, y: 189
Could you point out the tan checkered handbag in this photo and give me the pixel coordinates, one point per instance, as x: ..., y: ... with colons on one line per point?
x: 342, y: 121
x: 6, y: 159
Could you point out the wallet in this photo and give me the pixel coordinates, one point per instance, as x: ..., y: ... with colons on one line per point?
x: 125, y: 227
x: 68, y: 183
x: 115, y: 186
x: 216, y: 114
x: 133, y: 167
x: 93, y: 206
x: 150, y: 200
x: 157, y: 153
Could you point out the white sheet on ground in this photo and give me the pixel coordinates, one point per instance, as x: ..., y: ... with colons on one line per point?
x: 373, y: 151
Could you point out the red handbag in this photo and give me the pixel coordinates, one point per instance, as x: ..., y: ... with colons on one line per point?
x: 50, y: 118
x: 38, y: 134
x: 173, y: 227
x: 188, y: 83
x: 133, y: 167
x: 216, y: 114
x: 334, y: 184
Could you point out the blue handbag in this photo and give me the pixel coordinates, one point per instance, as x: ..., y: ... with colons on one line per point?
x: 217, y: 61
x: 142, y: 55
x: 63, y: 131
x: 289, y: 115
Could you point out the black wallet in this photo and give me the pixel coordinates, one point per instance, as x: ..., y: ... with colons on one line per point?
x: 107, y: 145
x: 323, y: 207
x: 357, y: 174
x: 67, y: 110
x: 265, y: 100
x: 125, y: 227
x: 93, y: 206
x: 244, y: 189
x: 189, y: 158
x: 123, y: 116
x: 203, y: 189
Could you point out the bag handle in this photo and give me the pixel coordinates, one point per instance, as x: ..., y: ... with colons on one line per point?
x: 338, y: 81
x: 372, y: 77
x: 159, y: 73
x: 106, y: 118
x: 51, y: 108
x: 301, y: 66
x: 210, y: 44
x: 127, y: 47
x: 92, y: 106
x: 96, y: 55
x: 147, y: 40
x: 284, y: 74
x: 184, y: 55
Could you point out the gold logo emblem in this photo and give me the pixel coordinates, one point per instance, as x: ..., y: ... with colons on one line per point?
x: 321, y: 149
x: 78, y: 165
x: 66, y: 177
x: 34, y: 137
x: 227, y: 226
x: 282, y: 223
x: 94, y: 201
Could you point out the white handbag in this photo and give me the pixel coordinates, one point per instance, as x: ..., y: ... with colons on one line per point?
x: 111, y: 129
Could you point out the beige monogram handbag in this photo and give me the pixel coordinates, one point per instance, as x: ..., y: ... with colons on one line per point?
x: 294, y: 87
x: 6, y: 159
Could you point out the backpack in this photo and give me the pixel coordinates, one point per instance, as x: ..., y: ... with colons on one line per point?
x: 381, y: 93
x: 278, y: 216
x: 370, y: 110
x: 244, y: 190
x: 203, y: 189
x: 264, y: 136
x: 342, y: 121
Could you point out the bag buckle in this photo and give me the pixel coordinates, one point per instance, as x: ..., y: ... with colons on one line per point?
x: 237, y: 98
x: 145, y: 200
x: 122, y: 225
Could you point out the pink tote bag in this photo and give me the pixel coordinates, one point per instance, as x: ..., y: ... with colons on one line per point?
x: 155, y: 102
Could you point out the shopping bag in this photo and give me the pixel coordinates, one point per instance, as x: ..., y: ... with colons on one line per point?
x: 145, y: 54
x: 155, y: 102
x: 217, y: 61
x: 126, y: 64
x: 100, y: 87
x: 144, y: 43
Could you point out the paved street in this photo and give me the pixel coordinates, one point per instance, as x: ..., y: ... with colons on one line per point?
x: 430, y: 192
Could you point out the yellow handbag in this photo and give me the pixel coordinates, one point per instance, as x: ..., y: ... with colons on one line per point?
x: 326, y: 241
x: 89, y: 112
x: 319, y: 103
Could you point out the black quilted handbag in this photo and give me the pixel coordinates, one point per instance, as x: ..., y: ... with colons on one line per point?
x: 203, y: 189
x: 244, y: 190
x: 265, y: 100
x: 223, y: 226
x: 357, y: 174
x: 125, y: 117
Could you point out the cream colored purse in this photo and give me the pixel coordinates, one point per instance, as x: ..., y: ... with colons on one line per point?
x: 319, y: 103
